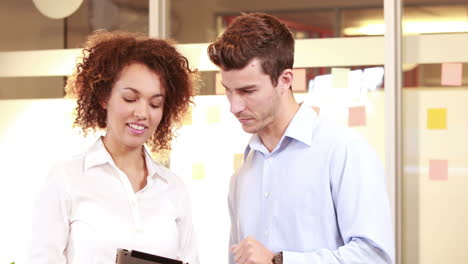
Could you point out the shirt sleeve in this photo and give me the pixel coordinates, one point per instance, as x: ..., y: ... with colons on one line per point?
x: 356, y: 251
x: 188, y: 244
x: 362, y: 209
x: 50, y: 222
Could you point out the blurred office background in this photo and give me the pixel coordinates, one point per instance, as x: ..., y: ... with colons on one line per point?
x: 404, y: 90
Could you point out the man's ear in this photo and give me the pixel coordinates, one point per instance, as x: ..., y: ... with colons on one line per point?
x: 285, y: 80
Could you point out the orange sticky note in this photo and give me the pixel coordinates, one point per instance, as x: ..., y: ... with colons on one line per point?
x: 436, y: 118
x: 316, y: 109
x: 218, y: 85
x: 452, y: 74
x: 187, y: 120
x: 340, y: 77
x: 299, y: 80
x: 357, y: 116
x: 438, y: 170
x: 198, y: 171
x: 238, y: 160
x: 213, y: 115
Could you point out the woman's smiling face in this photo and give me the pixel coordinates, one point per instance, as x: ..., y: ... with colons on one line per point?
x: 134, y: 107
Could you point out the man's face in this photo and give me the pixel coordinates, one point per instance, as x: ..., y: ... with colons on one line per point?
x: 253, y: 98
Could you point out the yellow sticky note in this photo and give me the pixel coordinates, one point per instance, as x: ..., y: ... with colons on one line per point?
x: 187, y: 120
x: 299, y: 80
x: 340, y: 77
x: 437, y: 118
x: 198, y: 171
x: 213, y: 115
x: 238, y: 160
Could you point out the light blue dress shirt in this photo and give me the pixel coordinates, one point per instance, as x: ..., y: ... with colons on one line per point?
x: 319, y: 196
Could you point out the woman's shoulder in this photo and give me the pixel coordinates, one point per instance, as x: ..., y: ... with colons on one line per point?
x: 70, y: 164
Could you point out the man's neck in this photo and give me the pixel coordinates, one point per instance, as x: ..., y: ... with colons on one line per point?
x: 272, y: 134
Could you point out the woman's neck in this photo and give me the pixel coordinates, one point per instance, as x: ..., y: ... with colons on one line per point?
x: 129, y: 160
x: 123, y: 156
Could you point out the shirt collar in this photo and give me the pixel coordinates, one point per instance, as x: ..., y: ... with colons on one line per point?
x: 300, y: 128
x: 97, y: 155
x: 155, y: 169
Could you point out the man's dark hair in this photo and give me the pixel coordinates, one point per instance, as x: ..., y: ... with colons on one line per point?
x: 255, y: 35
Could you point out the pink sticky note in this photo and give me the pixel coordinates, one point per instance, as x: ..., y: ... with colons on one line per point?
x: 452, y: 74
x: 299, y: 80
x: 357, y: 116
x: 438, y: 170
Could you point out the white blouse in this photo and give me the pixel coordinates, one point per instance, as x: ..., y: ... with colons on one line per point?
x: 87, y: 209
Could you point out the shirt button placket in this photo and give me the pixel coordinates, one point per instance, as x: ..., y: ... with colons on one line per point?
x: 267, y: 205
x: 136, y: 214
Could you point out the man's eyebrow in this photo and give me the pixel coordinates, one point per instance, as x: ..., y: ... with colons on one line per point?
x: 138, y: 92
x: 245, y: 87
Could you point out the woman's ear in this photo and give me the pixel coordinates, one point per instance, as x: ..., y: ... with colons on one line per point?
x: 103, y: 104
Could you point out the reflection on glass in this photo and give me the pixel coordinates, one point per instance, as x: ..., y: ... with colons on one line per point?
x: 26, y: 28
x: 307, y: 19
x: 417, y: 19
x: 23, y: 27
x: 303, y: 24
x: 124, y: 15
x: 31, y: 87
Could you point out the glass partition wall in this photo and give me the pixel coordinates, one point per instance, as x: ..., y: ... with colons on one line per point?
x: 434, y: 125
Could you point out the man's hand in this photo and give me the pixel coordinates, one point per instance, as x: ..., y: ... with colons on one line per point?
x: 250, y: 251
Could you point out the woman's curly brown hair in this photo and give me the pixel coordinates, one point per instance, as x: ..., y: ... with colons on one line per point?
x: 105, y: 55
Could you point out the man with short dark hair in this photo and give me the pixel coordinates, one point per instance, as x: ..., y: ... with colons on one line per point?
x: 309, y: 191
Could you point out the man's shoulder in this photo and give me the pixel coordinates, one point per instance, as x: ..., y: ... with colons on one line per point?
x: 330, y: 135
x: 331, y: 130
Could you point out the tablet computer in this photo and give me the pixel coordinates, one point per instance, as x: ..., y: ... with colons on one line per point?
x: 125, y: 256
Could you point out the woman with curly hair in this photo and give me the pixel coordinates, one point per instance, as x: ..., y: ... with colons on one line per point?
x: 114, y: 195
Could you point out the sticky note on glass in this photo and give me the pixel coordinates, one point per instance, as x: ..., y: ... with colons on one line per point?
x: 437, y: 118
x: 219, y: 86
x: 438, y: 170
x: 452, y: 74
x: 187, y: 120
x: 340, y: 77
x: 357, y: 116
x: 238, y: 160
x: 198, y: 171
x: 316, y: 109
x: 299, y: 80
x: 213, y: 115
